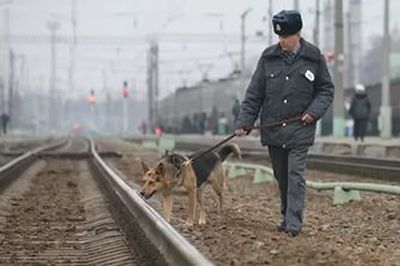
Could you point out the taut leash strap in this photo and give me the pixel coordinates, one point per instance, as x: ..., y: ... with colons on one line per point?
x: 231, y: 136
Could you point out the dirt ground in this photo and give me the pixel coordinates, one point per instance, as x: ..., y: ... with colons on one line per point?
x: 244, y: 233
x: 56, y: 215
x: 43, y: 218
x: 4, y: 160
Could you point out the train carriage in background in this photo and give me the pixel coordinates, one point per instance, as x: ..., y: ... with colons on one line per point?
x: 195, y: 105
x: 190, y: 103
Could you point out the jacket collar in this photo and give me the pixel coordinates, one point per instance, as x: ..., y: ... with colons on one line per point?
x: 307, y: 50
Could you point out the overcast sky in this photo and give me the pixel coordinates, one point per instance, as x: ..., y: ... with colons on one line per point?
x: 193, y: 36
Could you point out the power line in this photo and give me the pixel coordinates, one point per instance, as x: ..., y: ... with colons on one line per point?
x: 121, y: 40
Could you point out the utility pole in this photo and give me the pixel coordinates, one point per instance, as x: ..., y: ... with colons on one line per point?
x: 149, y: 91
x: 53, y: 27
x: 338, y: 105
x: 354, y: 42
x: 317, y: 22
x: 72, y: 47
x: 107, y: 109
x: 243, y: 51
x: 152, y: 84
x: 18, y: 84
x: 357, y: 36
x: 243, y: 39
x: 4, y: 61
x: 11, y: 88
x: 328, y: 27
x: 2, y: 99
x: 386, y: 110
x: 349, y: 79
x: 269, y: 19
x: 296, y: 5
x: 316, y: 42
x: 125, y: 107
x: 156, y: 78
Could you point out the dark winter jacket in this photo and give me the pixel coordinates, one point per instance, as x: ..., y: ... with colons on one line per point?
x: 360, y: 106
x: 281, y: 90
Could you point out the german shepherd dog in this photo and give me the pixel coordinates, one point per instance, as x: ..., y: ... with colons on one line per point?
x: 172, y: 172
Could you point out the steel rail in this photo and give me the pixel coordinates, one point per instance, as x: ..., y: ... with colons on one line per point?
x: 175, y: 249
x: 10, y: 170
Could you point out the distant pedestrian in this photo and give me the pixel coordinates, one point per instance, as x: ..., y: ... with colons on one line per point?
x: 143, y: 127
x: 202, y: 122
x: 222, y: 124
x: 360, y: 109
x: 5, y: 119
x: 187, y: 126
x: 159, y: 131
x: 236, y: 110
x: 213, y: 120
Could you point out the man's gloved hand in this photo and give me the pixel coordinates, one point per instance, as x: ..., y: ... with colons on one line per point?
x: 307, y: 118
x: 241, y: 132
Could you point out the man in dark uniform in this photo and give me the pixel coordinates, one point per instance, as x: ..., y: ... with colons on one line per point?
x: 291, y: 80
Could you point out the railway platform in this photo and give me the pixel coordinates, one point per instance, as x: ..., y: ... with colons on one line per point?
x: 372, y: 147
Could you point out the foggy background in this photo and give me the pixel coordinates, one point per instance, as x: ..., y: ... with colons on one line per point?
x: 99, y: 45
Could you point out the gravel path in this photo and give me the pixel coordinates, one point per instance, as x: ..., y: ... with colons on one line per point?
x: 359, y: 233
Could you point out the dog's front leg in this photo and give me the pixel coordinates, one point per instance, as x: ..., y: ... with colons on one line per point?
x: 167, y: 205
x: 192, y: 194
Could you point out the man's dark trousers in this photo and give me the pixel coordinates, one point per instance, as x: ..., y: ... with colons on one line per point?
x: 288, y: 166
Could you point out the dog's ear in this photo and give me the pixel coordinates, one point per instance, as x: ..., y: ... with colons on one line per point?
x: 166, y: 153
x: 173, y: 159
x: 160, y: 169
x: 176, y: 159
x: 145, y: 167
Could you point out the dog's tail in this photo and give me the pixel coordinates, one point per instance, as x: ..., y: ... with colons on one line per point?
x: 228, y: 149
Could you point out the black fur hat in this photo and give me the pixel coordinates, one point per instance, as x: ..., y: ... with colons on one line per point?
x: 287, y: 22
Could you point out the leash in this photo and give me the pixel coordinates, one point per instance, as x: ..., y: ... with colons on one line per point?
x: 231, y: 136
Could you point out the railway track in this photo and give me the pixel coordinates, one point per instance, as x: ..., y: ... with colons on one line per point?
x: 62, y: 204
x: 381, y: 169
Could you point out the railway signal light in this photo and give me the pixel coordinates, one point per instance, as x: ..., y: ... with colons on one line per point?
x: 92, y: 97
x: 125, y: 90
